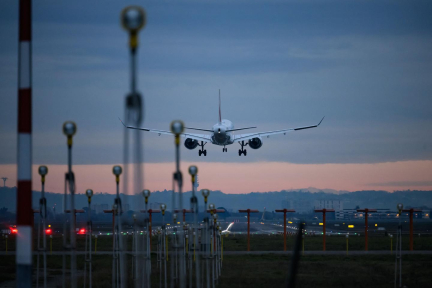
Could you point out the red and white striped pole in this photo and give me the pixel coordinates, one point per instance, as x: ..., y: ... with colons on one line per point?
x: 24, y: 191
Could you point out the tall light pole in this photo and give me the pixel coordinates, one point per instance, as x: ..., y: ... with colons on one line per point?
x: 69, y: 130
x: 164, y: 247
x: 205, y: 193
x: 118, y: 263
x: 43, y: 171
x: 193, y: 171
x: 399, y: 207
x: 177, y: 128
x: 4, y: 181
x: 88, y: 258
x: 146, y: 194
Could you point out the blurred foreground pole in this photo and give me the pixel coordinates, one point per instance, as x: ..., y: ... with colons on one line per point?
x: 133, y: 19
x: 303, y: 236
x: 296, y: 257
x: 346, y: 236
x: 24, y: 218
x: 391, y: 244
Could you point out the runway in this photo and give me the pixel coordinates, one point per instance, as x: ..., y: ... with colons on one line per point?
x: 233, y: 253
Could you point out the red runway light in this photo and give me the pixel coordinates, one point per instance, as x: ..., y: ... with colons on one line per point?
x: 48, y: 231
x: 82, y: 231
x: 14, y: 230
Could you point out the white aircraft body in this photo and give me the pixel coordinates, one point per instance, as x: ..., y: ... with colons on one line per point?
x: 227, y: 231
x: 222, y: 134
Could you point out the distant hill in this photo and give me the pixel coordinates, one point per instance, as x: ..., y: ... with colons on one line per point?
x: 254, y: 200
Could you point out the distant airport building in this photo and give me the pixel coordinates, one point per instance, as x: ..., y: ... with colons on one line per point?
x: 299, y: 205
x: 100, y: 207
x: 337, y: 205
x: 350, y: 214
x: 154, y: 205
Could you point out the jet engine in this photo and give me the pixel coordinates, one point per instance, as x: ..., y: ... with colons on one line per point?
x: 255, y: 143
x: 190, y: 143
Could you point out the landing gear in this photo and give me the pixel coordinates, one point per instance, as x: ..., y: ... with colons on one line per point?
x: 224, y: 149
x: 202, y: 151
x: 242, y: 150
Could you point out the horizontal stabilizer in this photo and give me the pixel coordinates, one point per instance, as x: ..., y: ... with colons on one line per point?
x: 199, y: 129
x: 238, y: 129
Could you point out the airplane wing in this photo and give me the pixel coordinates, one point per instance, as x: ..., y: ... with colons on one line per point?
x: 198, y: 137
x: 243, y: 137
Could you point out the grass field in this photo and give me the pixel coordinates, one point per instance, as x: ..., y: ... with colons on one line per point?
x: 267, y: 271
x: 324, y: 271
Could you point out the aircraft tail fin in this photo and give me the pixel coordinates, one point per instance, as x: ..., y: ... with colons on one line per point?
x: 220, y: 112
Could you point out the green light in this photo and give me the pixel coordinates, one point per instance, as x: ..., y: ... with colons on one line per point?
x: 141, y: 233
x: 108, y: 234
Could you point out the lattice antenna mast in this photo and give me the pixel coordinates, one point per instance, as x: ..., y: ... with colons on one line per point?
x: 263, y: 215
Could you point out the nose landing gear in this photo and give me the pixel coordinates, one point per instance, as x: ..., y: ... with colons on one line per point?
x: 202, y: 151
x: 224, y: 149
x: 242, y: 150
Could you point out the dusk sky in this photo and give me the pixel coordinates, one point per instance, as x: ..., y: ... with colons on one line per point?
x: 365, y: 65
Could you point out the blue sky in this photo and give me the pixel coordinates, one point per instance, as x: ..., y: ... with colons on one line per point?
x: 365, y: 65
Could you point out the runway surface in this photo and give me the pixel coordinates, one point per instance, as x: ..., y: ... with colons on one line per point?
x: 342, y: 253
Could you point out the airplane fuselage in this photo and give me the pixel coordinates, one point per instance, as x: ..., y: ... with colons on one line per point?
x: 220, y: 135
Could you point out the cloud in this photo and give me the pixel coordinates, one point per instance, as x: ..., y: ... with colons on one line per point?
x: 407, y: 184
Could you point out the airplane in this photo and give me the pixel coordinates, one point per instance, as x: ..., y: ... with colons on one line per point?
x: 222, y: 134
x: 227, y: 231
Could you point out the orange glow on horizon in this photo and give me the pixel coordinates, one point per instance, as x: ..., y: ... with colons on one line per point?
x: 245, y: 177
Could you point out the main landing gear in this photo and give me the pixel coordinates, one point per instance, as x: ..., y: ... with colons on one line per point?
x: 224, y: 149
x: 202, y: 151
x: 242, y: 151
